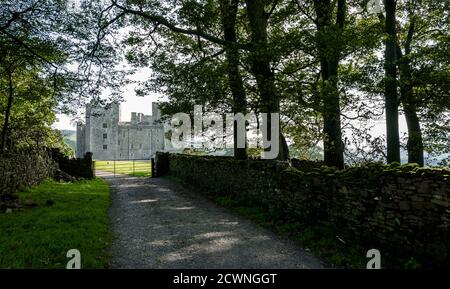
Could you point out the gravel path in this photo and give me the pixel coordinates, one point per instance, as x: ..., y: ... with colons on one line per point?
x: 159, y: 224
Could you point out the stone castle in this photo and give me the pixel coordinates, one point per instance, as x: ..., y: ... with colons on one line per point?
x: 108, y: 138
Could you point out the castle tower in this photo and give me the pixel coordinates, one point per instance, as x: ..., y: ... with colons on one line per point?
x: 102, y: 130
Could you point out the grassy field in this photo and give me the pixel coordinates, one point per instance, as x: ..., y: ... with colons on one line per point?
x: 68, y: 216
x: 138, y: 169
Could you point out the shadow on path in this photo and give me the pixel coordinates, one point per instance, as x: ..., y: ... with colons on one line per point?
x: 159, y: 224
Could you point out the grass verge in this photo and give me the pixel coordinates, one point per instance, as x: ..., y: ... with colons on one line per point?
x: 67, y: 216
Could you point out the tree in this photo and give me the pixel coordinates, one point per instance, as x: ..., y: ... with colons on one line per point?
x: 408, y: 99
x: 390, y: 90
x: 330, y: 48
x: 229, y: 10
x: 24, y: 77
x: 420, y: 30
x: 34, y: 82
x: 260, y: 61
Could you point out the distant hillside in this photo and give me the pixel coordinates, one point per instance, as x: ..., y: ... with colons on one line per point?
x: 70, y: 138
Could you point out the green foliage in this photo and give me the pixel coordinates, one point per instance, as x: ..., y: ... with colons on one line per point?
x: 30, y: 84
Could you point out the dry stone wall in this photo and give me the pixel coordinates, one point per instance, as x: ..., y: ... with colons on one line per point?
x: 24, y: 169
x: 403, y: 210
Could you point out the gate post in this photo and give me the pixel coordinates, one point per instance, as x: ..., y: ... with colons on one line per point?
x: 152, y: 168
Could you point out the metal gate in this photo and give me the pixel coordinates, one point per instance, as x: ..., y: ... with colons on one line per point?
x: 137, y: 168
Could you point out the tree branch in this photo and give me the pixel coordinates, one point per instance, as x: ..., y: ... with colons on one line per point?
x: 274, y: 6
x: 161, y: 20
x: 28, y: 48
x: 15, y: 15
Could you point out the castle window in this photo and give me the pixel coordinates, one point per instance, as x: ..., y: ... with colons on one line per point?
x: 105, y: 125
x: 132, y: 145
x: 105, y: 135
x: 105, y: 147
x: 119, y: 142
x: 140, y: 146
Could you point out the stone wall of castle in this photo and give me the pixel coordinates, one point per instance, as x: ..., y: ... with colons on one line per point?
x: 109, y: 139
x: 139, y: 141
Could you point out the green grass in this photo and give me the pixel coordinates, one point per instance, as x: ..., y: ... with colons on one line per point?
x: 141, y: 168
x: 40, y: 237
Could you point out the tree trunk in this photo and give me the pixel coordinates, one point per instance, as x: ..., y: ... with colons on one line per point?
x: 390, y: 86
x: 228, y: 14
x: 415, y: 141
x: 260, y: 58
x: 7, y: 112
x: 329, y: 61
